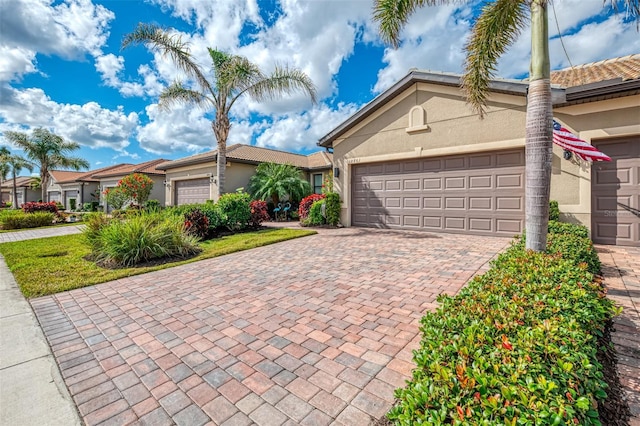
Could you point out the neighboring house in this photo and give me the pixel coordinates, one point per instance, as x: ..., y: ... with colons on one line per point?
x: 193, y: 179
x: 80, y: 186
x: 416, y: 157
x: 110, y: 178
x: 25, y: 191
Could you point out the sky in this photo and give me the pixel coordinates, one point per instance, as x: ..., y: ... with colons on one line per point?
x: 62, y: 66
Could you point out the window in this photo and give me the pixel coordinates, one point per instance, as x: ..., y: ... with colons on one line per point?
x: 317, y: 183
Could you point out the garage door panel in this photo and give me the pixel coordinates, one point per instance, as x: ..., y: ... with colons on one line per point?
x: 615, y: 191
x: 458, y: 193
x: 432, y: 183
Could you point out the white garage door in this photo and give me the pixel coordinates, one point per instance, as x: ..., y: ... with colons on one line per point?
x: 192, y: 191
x: 480, y: 194
x: 55, y: 196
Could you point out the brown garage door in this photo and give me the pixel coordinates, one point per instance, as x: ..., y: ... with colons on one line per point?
x: 615, y: 193
x: 192, y: 191
x: 479, y: 193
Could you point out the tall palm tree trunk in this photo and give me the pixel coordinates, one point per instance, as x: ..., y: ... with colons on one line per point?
x: 44, y: 183
x: 221, y: 128
x: 538, y: 145
x: 15, y: 191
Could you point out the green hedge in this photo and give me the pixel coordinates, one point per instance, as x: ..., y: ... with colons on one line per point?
x: 516, y: 346
x: 20, y: 220
x: 333, y: 208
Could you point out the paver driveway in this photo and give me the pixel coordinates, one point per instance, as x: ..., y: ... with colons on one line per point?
x: 314, y: 331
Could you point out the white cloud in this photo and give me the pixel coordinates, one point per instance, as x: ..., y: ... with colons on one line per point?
x: 299, y: 132
x: 111, y: 67
x: 183, y: 128
x: 89, y: 124
x: 69, y: 30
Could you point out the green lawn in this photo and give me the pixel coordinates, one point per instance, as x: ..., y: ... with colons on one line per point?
x: 2, y: 231
x: 51, y: 265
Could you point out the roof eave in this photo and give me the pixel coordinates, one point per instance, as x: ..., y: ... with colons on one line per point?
x: 182, y: 163
x: 514, y: 87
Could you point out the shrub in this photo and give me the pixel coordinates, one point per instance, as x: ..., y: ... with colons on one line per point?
x: 152, y: 205
x: 20, y: 220
x: 316, y: 214
x: 333, y: 209
x: 234, y: 210
x: 115, y: 197
x: 72, y: 204
x: 306, y: 203
x: 137, y: 187
x: 568, y: 228
x: 94, y: 224
x: 141, y: 238
x: 209, y: 209
x: 196, y: 223
x: 33, y: 207
x: 518, y: 345
x: 554, y: 210
x: 259, y: 213
x: 59, y: 205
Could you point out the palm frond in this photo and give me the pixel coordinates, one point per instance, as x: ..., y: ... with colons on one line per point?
x: 631, y: 7
x: 170, y: 45
x: 497, y: 27
x: 283, y: 80
x: 63, y: 161
x: 392, y: 15
x: 176, y: 93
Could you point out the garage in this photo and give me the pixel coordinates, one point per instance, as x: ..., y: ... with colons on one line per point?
x: 481, y: 194
x: 615, y: 193
x: 55, y: 196
x: 192, y: 191
x: 68, y: 196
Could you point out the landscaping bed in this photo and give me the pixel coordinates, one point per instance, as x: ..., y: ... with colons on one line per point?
x: 521, y: 344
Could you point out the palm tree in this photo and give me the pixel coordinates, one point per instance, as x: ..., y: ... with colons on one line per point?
x: 233, y: 77
x: 4, y: 166
x: 277, y: 181
x: 17, y: 163
x: 497, y: 28
x: 48, y: 151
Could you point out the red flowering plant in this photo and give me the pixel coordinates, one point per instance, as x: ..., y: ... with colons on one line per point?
x: 306, y: 203
x: 259, y: 213
x: 136, y: 187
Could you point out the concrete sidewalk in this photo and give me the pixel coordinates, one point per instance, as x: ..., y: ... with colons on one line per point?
x: 31, y: 234
x: 32, y: 391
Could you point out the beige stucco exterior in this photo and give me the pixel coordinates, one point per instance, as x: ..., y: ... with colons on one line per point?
x: 157, y: 192
x: 448, y: 126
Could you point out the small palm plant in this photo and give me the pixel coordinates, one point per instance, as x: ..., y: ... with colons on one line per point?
x: 277, y: 181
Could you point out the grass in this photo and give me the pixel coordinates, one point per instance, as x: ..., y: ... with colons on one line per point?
x: 51, y: 265
x: 57, y: 225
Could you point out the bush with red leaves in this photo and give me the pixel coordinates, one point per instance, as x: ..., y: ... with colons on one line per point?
x: 306, y: 203
x: 196, y: 223
x: 259, y: 213
x: 32, y: 207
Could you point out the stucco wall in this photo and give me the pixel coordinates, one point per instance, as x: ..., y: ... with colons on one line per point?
x: 451, y: 128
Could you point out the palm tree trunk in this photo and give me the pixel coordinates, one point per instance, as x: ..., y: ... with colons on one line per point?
x: 15, y: 191
x: 221, y: 128
x: 44, y: 183
x: 538, y: 145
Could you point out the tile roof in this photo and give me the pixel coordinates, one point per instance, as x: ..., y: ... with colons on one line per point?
x: 255, y: 155
x: 21, y: 181
x: 148, y: 167
x: 624, y: 68
x: 66, y: 176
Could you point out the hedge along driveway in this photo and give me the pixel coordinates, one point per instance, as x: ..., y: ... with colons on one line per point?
x: 317, y: 330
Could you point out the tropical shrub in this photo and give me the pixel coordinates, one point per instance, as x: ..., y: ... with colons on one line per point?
x: 137, y: 187
x: 278, y: 181
x: 517, y: 345
x: 32, y: 207
x: 152, y: 205
x: 259, y: 213
x: 316, y: 214
x: 332, y: 211
x: 140, y: 238
x: 327, y: 184
x: 20, y: 220
x: 196, y: 223
x: 556, y: 227
x: 115, y: 197
x: 306, y: 203
x: 554, y: 210
x: 210, y: 210
x: 94, y: 223
x: 234, y: 210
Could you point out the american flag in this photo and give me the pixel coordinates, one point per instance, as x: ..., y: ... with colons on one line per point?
x: 570, y: 142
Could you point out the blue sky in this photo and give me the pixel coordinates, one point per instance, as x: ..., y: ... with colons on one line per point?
x: 61, y: 66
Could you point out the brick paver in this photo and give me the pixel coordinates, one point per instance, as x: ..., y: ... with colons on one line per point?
x: 31, y: 234
x: 316, y: 331
x: 621, y: 271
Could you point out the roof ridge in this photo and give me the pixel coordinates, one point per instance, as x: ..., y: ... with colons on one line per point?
x: 601, y: 62
x: 269, y: 149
